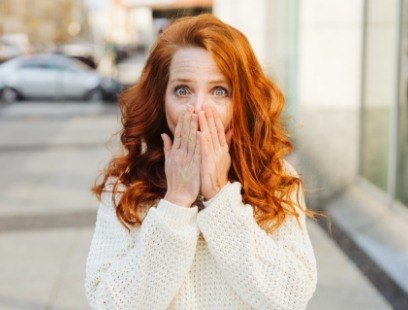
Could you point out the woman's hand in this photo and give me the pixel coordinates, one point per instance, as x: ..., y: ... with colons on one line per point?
x: 215, y: 157
x: 182, y: 161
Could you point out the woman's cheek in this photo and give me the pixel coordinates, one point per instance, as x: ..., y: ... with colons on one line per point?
x: 224, y: 113
x: 172, y: 114
x: 171, y: 118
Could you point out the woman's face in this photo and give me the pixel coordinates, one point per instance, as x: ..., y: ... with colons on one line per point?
x: 194, y: 80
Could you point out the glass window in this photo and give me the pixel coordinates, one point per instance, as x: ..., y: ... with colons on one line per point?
x: 31, y: 63
x: 56, y: 62
x: 379, y: 90
x: 284, y: 48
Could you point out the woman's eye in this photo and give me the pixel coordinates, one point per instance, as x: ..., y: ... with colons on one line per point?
x: 221, y: 91
x: 181, y: 90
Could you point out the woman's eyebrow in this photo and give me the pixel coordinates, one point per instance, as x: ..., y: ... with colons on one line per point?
x: 220, y: 81
x: 185, y: 80
x: 180, y: 80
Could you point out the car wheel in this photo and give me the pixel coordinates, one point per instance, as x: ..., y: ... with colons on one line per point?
x: 9, y: 95
x: 95, y: 95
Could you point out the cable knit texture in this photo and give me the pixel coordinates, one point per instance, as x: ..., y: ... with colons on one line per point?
x: 218, y: 258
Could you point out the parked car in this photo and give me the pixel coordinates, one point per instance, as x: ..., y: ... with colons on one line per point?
x: 53, y: 76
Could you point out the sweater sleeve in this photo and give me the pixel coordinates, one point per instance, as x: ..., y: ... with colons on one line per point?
x: 268, y: 271
x: 143, y: 269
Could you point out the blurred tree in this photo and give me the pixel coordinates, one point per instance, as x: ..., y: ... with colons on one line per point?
x: 45, y: 22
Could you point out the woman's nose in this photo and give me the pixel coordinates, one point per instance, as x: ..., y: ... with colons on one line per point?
x: 199, y: 102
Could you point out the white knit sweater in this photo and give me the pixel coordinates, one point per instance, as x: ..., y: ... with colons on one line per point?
x: 218, y: 258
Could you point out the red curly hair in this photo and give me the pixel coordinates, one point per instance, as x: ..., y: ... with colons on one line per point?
x: 259, y: 144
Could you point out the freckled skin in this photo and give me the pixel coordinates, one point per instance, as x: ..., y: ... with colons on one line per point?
x: 198, y: 107
x: 197, y: 65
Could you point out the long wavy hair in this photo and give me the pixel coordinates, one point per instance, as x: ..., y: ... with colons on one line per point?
x: 259, y: 144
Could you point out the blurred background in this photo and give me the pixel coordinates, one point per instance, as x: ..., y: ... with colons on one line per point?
x: 342, y: 66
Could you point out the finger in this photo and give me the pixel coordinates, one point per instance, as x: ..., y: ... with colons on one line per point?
x: 204, y: 126
x: 192, y: 136
x: 185, y: 130
x: 205, y: 143
x: 197, y: 151
x: 211, y: 124
x: 166, y: 144
x: 228, y: 136
x: 220, y: 128
x: 177, y: 131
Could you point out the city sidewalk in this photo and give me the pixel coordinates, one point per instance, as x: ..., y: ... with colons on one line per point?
x: 48, y: 268
x: 47, y: 214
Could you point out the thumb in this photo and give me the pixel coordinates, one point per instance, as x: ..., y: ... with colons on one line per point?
x: 167, y: 144
x: 228, y: 136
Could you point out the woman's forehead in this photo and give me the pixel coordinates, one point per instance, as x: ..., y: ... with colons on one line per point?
x: 193, y: 63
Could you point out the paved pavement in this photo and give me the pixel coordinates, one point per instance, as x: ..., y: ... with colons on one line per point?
x: 50, y: 154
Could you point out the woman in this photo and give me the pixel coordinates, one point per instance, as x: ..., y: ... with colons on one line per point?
x: 201, y: 211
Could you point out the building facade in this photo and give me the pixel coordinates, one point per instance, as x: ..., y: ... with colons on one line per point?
x: 343, y: 67
x: 44, y: 22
